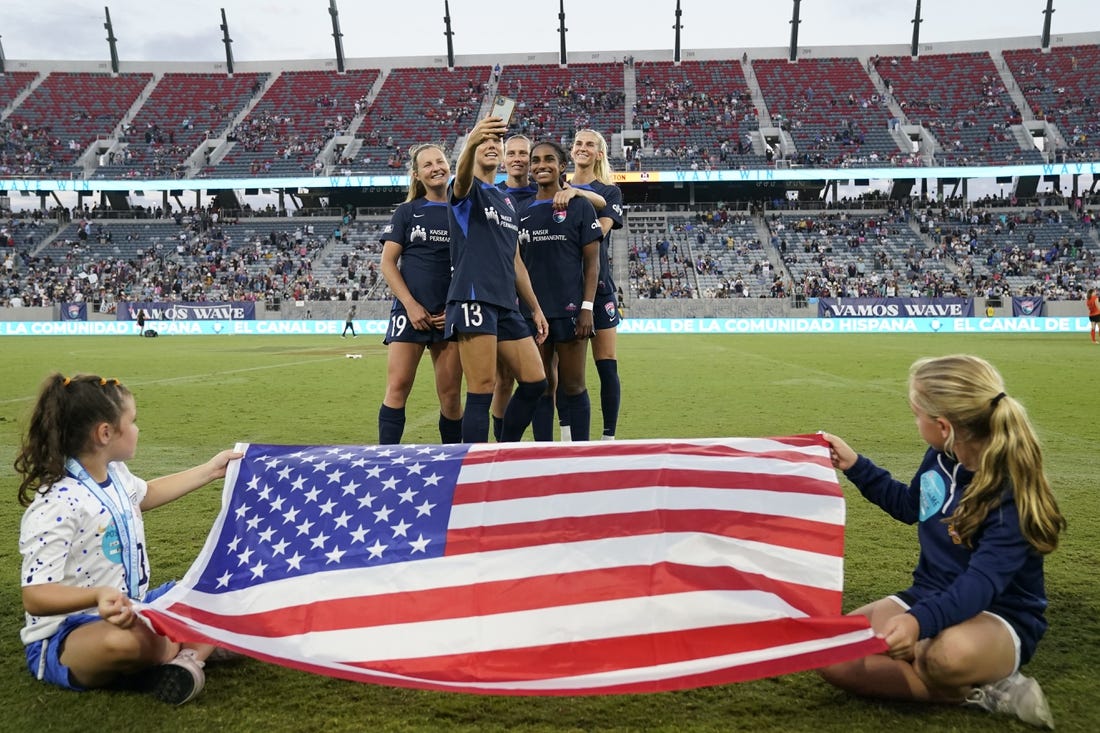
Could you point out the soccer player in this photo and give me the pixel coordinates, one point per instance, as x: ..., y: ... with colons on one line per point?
x: 487, y: 273
x: 560, y: 247
x: 416, y: 262
x: 592, y: 173
x: 517, y: 159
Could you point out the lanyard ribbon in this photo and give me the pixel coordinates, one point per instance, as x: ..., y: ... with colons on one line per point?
x: 117, y: 503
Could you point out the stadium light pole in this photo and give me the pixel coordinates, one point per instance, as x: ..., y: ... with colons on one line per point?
x: 793, y: 53
x: 2, y: 58
x: 916, y: 21
x: 1045, y: 43
x: 449, y: 34
x: 111, y: 40
x: 228, y: 43
x: 561, y: 31
x: 337, y: 36
x: 677, y: 27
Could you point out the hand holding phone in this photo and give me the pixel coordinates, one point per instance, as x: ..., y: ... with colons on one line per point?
x: 504, y: 108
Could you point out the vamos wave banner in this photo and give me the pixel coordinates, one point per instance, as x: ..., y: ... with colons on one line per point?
x: 214, y: 311
x: 895, y: 307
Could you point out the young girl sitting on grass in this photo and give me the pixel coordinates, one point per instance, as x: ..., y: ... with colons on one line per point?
x: 83, y: 545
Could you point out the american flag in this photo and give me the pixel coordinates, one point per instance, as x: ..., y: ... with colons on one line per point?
x: 529, y: 569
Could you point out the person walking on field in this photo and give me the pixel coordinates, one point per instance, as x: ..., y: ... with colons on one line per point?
x: 1093, y: 303
x: 349, y: 325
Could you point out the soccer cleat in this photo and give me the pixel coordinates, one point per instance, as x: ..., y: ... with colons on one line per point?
x: 177, y: 681
x: 1017, y: 695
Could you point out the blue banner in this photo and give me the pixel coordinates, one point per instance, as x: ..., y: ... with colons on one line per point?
x: 221, y: 311
x: 895, y: 307
x: 74, y: 311
x: 1031, y: 306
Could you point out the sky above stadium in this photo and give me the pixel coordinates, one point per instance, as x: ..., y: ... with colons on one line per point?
x: 188, y: 30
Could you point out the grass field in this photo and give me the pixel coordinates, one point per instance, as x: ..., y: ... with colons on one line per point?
x: 197, y: 395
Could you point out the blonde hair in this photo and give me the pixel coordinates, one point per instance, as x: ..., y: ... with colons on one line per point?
x: 969, y: 393
x: 601, y: 169
x: 417, y: 189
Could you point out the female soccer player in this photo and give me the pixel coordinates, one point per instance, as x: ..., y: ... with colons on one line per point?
x: 987, y: 516
x: 487, y: 273
x: 561, y: 250
x: 416, y: 262
x: 593, y: 173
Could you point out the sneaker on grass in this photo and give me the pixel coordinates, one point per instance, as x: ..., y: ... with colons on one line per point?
x: 1017, y: 695
x: 177, y: 681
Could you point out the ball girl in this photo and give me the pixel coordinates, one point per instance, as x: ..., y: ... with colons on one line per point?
x: 987, y: 517
x: 416, y: 262
x: 82, y: 539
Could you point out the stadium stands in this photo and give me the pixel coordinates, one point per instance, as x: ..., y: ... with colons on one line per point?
x: 68, y: 111
x: 1062, y: 87
x: 832, y: 111
x: 417, y: 105
x: 697, y: 115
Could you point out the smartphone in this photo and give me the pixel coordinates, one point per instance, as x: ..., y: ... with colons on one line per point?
x: 503, y: 107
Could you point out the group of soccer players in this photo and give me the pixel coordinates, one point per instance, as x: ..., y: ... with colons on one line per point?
x: 505, y: 284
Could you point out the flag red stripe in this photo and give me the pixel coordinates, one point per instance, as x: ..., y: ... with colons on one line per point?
x: 507, y: 596
x: 799, y: 534
x: 769, y: 668
x: 550, y: 661
x: 472, y: 492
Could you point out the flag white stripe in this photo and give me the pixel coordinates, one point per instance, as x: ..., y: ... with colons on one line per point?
x: 551, y: 467
x: 815, y: 507
x: 781, y: 564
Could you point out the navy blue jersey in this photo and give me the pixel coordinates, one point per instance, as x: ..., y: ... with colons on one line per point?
x: 613, y: 210
x: 519, y: 196
x: 552, y: 243
x: 951, y: 583
x: 423, y: 230
x: 483, y: 247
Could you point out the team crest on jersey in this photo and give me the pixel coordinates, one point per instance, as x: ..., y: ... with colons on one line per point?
x: 559, y: 215
x: 418, y: 232
x: 609, y: 309
x: 508, y: 200
x: 492, y: 215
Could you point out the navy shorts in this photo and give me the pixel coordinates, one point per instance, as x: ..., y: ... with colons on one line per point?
x: 401, y: 330
x: 44, y: 655
x: 605, y: 312
x: 561, y: 331
x: 1094, y: 319
x: 474, y: 316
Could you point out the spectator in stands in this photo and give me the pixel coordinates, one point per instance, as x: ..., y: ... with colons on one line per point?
x: 975, y: 612
x: 560, y: 244
x: 487, y: 273
x: 592, y: 178
x: 416, y: 263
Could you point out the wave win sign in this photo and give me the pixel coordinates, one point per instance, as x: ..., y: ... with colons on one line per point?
x: 895, y: 307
